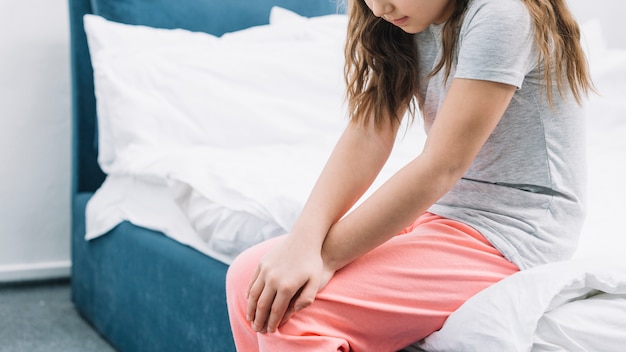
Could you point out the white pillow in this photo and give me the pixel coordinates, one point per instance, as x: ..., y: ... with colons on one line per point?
x: 222, y: 92
x: 319, y: 27
x: 112, y: 41
x: 280, y: 15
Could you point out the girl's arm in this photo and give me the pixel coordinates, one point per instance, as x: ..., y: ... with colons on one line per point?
x: 469, y: 114
x: 288, y: 277
x: 358, y: 157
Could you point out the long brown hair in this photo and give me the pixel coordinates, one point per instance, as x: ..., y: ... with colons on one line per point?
x: 381, y: 69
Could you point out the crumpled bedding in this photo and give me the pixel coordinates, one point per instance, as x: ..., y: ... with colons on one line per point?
x: 576, y: 305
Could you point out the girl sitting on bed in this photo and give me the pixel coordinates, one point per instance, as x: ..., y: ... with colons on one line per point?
x: 498, y: 187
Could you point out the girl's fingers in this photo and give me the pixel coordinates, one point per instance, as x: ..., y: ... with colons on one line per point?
x: 291, y: 310
x: 306, y: 296
x: 263, y: 308
x: 253, y: 279
x: 270, y: 306
x: 254, y: 292
x: 278, y: 309
x: 302, y: 299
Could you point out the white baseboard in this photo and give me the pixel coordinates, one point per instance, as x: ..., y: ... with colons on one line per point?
x: 35, y: 271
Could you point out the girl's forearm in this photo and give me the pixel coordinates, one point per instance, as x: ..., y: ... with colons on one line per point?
x: 353, y: 165
x: 388, y: 211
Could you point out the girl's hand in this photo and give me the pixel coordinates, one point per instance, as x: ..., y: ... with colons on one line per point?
x: 285, y: 281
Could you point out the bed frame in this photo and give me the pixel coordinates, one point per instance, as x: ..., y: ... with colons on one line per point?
x: 141, y: 290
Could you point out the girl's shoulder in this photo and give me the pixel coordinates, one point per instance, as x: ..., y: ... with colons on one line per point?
x: 498, y: 15
x: 497, y: 10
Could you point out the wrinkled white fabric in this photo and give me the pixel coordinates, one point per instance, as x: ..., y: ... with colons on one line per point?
x: 515, y: 314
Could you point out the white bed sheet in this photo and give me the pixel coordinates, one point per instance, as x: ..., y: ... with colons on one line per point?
x: 146, y: 202
x: 542, y: 309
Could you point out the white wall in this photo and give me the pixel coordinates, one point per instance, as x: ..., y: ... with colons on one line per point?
x: 35, y: 131
x: 610, y: 13
x: 34, y: 140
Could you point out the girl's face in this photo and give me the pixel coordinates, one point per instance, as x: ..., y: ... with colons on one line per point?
x: 412, y: 16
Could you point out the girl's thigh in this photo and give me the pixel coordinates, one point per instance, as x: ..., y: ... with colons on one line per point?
x: 401, y: 291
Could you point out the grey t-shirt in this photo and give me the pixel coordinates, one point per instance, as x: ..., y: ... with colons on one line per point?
x: 525, y: 191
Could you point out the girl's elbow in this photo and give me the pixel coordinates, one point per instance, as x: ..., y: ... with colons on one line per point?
x: 443, y: 175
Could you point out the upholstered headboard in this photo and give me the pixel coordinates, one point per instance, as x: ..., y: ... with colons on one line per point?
x: 211, y: 16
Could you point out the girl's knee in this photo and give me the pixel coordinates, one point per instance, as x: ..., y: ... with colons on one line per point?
x: 237, y: 279
x: 238, y: 276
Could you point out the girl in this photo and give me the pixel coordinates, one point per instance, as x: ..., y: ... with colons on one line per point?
x: 498, y: 187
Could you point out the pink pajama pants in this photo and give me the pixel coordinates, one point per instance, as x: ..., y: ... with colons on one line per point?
x: 393, y: 296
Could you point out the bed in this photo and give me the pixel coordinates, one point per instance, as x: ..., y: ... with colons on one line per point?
x: 198, y: 128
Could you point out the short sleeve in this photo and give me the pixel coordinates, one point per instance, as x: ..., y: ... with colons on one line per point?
x: 496, y: 43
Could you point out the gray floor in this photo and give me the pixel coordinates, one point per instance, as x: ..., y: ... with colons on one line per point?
x: 40, y: 317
